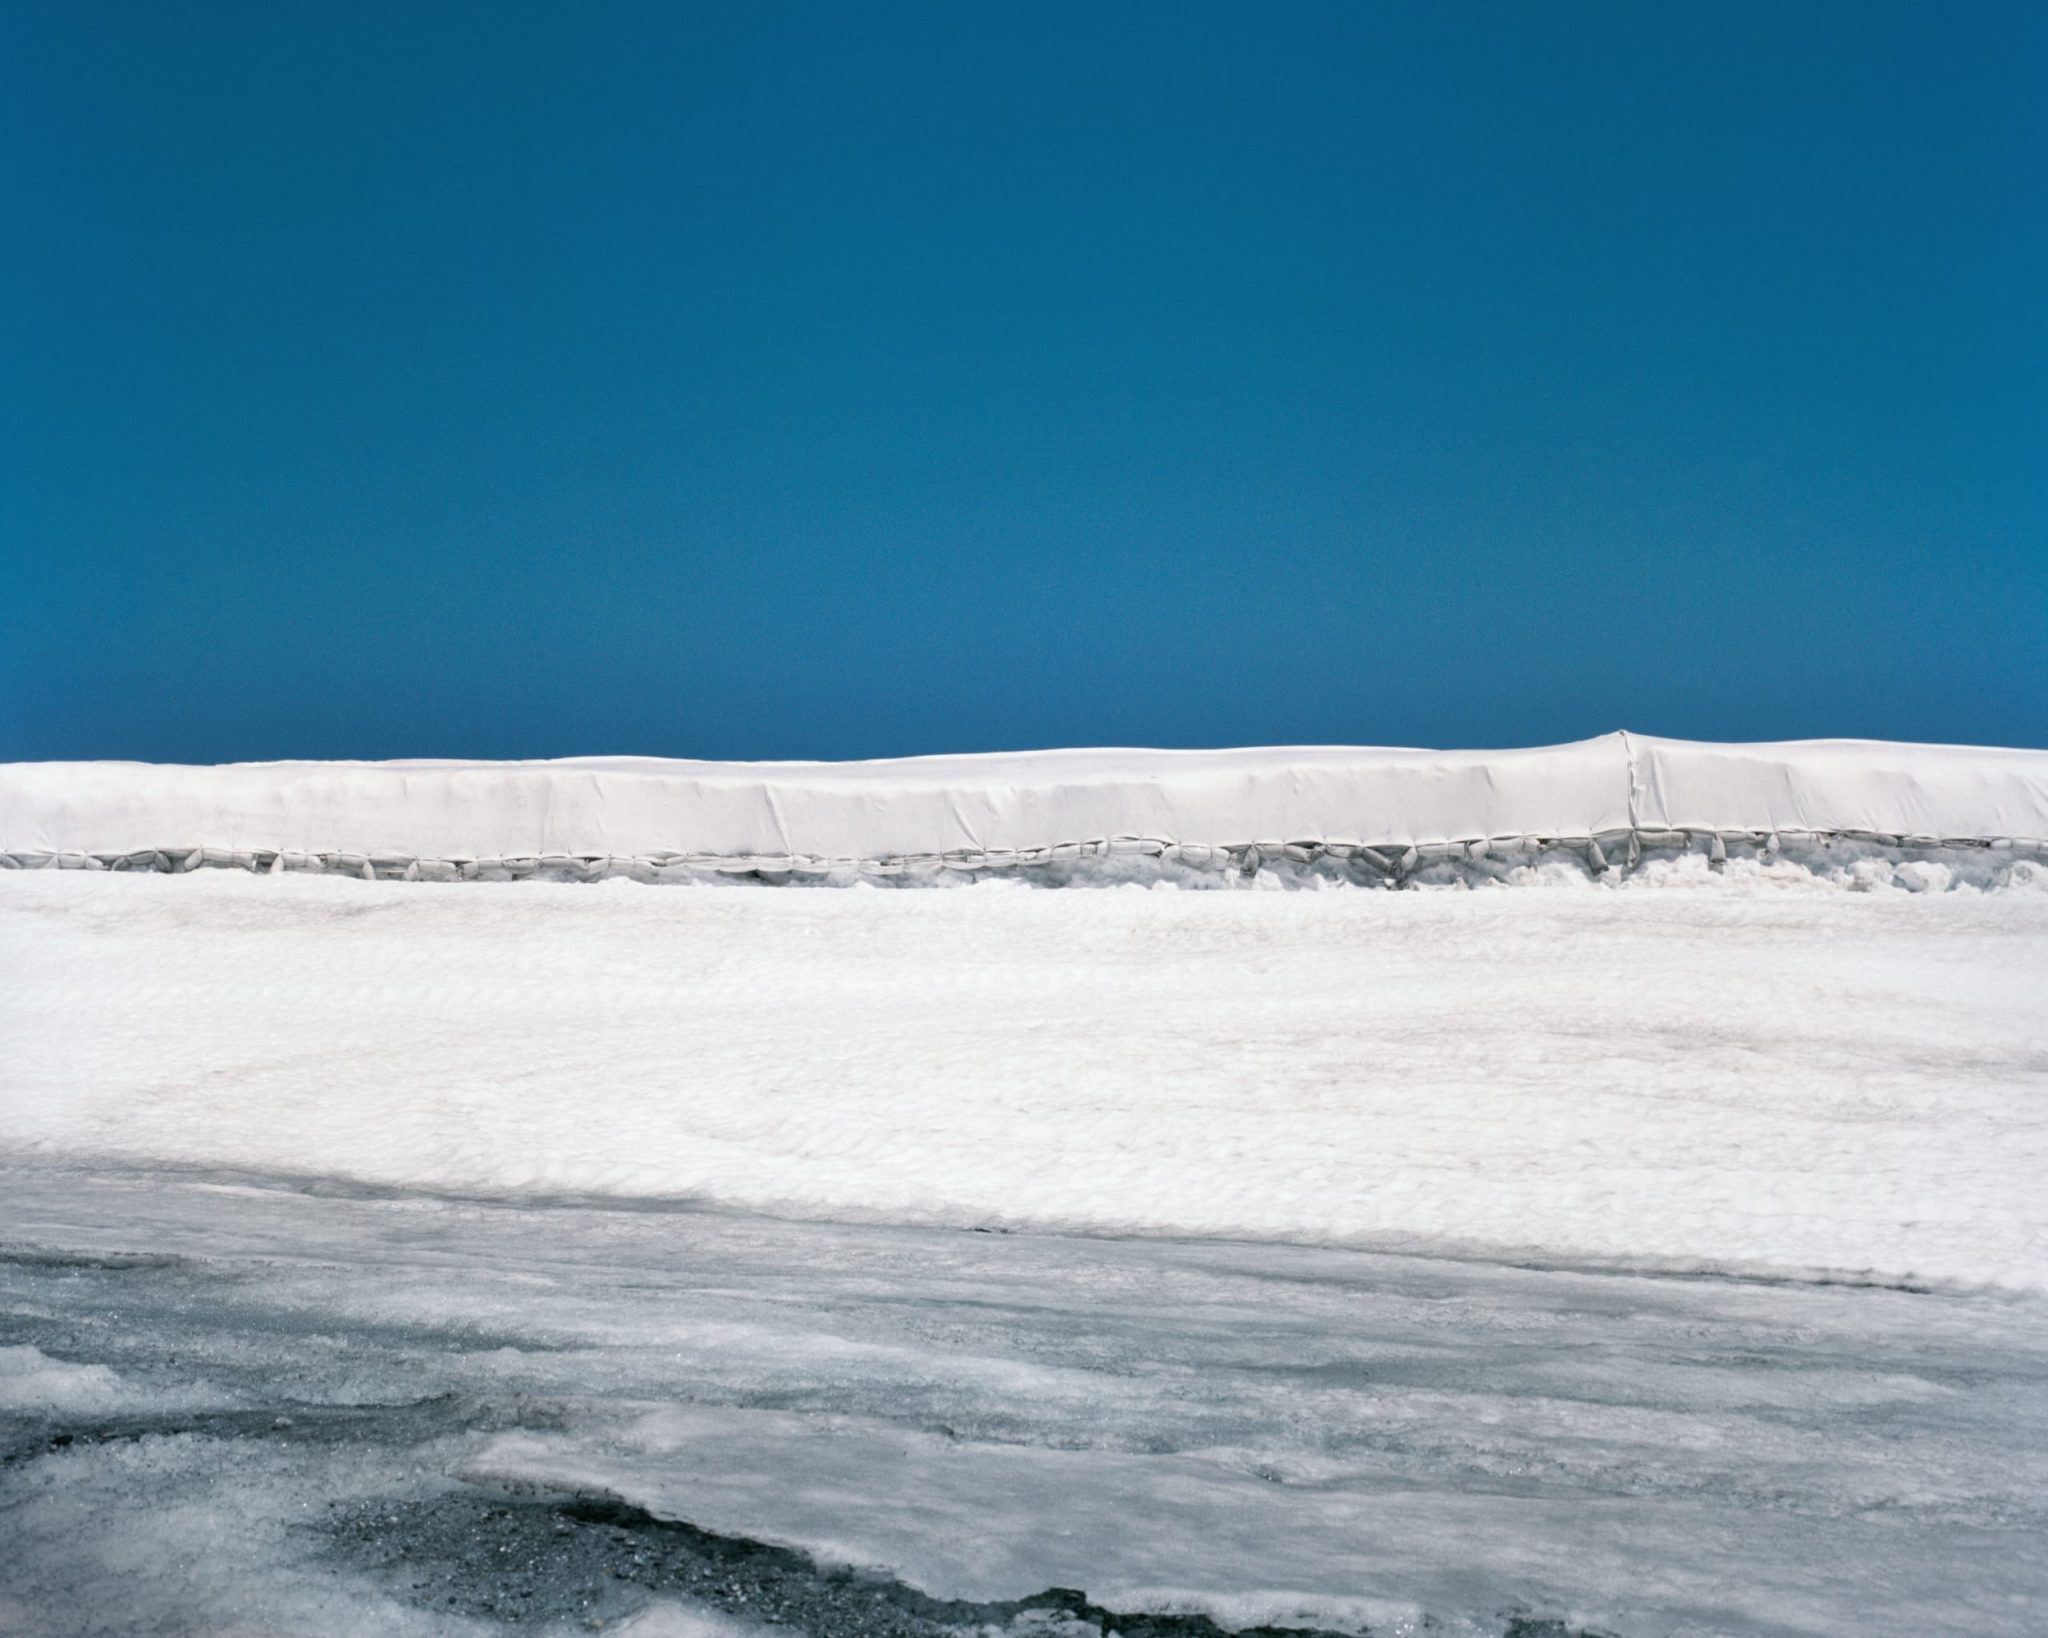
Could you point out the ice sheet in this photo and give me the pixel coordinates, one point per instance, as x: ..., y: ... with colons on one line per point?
x: 355, y: 1413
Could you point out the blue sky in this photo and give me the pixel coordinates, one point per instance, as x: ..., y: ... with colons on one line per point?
x: 761, y: 380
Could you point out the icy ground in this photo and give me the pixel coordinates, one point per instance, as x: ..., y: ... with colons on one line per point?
x: 235, y: 1407
x: 384, y: 1258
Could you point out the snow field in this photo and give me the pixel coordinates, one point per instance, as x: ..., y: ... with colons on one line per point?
x: 1750, y: 1072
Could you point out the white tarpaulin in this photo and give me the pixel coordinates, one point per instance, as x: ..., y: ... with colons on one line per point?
x: 1952, y: 792
x: 629, y: 806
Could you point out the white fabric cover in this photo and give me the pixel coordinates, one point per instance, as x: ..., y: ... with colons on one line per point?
x: 1953, y: 792
x: 634, y: 806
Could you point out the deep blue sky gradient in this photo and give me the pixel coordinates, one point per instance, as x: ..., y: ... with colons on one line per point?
x: 759, y: 380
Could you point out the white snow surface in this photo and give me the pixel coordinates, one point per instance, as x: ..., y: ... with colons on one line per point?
x: 640, y: 807
x: 1344, y: 1300
x: 1749, y: 1071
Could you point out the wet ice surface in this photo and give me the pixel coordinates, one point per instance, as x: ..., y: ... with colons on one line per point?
x: 232, y: 1405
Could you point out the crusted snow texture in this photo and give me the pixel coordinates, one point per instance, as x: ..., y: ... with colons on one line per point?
x: 1744, y: 1070
x: 1056, y: 817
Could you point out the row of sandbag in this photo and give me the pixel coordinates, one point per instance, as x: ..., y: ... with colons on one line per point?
x: 1360, y: 861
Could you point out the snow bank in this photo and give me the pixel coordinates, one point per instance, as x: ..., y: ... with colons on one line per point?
x: 1383, y: 812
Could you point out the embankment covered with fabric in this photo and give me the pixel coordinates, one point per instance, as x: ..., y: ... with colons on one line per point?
x: 1375, y: 817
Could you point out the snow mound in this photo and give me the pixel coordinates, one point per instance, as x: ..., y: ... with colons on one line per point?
x: 32, y: 1382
